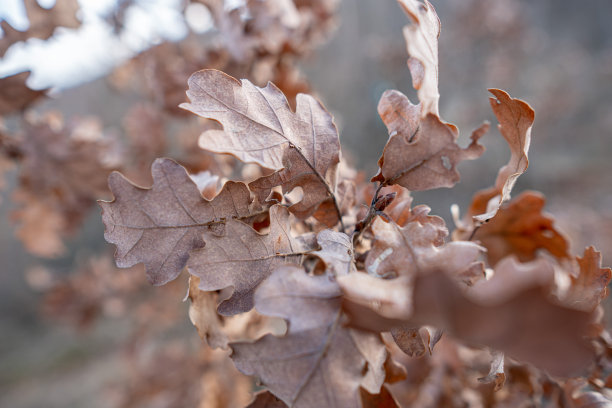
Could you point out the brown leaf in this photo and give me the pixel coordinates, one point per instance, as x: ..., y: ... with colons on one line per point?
x: 159, y: 226
x: 241, y: 258
x: 259, y: 127
x: 590, y: 286
x: 405, y: 251
x: 515, y: 120
x: 496, y: 373
x: 63, y: 170
x: 203, y: 315
x: 15, y: 95
x: 414, y: 341
x: 265, y: 399
x: 382, y: 400
x: 521, y: 228
x: 422, y: 152
x: 336, y: 251
x: 401, y: 212
x: 42, y: 22
x: 319, y: 363
x: 422, y: 44
x: 526, y: 326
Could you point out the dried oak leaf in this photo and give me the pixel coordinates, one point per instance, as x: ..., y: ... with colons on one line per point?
x: 265, y: 399
x: 421, y: 153
x: 526, y: 326
x: 241, y: 258
x: 336, y: 251
x: 496, y: 373
x: 590, y: 285
x: 63, y: 169
x: 521, y: 228
x: 402, y: 213
x: 422, y: 45
x: 161, y: 225
x: 42, y: 22
x: 414, y: 341
x: 318, y: 363
x: 515, y: 120
x: 405, y: 251
x: 260, y: 127
x: 203, y: 315
x: 15, y: 95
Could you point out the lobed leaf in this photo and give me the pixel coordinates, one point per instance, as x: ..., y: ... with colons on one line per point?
x: 319, y: 363
x: 241, y: 258
x: 422, y: 45
x: 422, y: 152
x: 161, y: 225
x: 260, y: 127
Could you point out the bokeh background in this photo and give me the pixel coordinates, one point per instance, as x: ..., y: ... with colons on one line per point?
x: 554, y: 54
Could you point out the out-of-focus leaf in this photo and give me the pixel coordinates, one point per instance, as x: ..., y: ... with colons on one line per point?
x: 42, y: 22
x: 496, y: 373
x: 422, y: 45
x: 520, y: 228
x: 590, y: 285
x: 15, y: 95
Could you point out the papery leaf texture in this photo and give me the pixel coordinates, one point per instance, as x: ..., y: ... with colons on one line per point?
x: 318, y: 363
x: 422, y: 45
x: 521, y: 228
x: 260, y: 127
x: 589, y: 284
x: 523, y: 323
x: 515, y: 121
x: 161, y: 225
x: 421, y: 153
x: 241, y: 258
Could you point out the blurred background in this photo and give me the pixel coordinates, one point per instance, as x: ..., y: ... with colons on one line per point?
x: 74, y: 332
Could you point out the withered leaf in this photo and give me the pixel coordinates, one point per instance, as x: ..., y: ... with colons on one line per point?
x: 318, y: 363
x: 241, y: 258
x: 496, y: 373
x: 265, y: 399
x: 415, y: 341
x: 422, y: 44
x: 590, y: 286
x: 159, y: 226
x: 421, y: 153
x: 63, y: 170
x: 260, y: 127
x: 15, y: 95
x: 42, y: 22
x: 382, y: 400
x: 515, y: 120
x: 521, y: 228
x: 526, y: 326
x: 336, y: 251
x: 203, y: 315
x: 405, y: 251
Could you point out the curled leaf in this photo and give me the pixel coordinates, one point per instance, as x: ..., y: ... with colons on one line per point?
x: 422, y: 45
x: 515, y: 120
